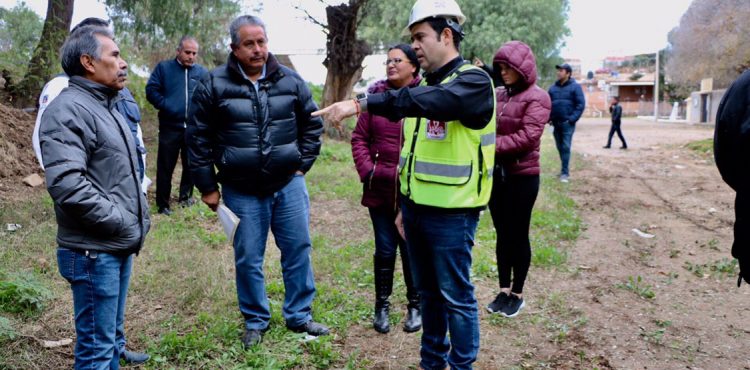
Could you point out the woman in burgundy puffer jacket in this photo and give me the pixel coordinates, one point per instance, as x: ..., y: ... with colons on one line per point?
x: 376, y: 143
x: 523, y: 109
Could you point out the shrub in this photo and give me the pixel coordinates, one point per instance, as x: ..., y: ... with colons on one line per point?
x: 22, y: 293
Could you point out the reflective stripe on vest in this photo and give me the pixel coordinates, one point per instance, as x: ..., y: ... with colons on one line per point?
x: 446, y: 164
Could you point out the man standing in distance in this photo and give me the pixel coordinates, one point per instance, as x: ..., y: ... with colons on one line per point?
x: 91, y: 168
x: 615, y: 109
x: 170, y: 89
x: 567, y: 106
x: 445, y: 171
x: 251, y: 121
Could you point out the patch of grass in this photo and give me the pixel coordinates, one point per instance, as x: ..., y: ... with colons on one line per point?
x: 703, y: 147
x: 638, y: 286
x: 548, y: 256
x: 23, y: 293
x: 7, y: 331
x: 333, y: 176
x: 719, y: 268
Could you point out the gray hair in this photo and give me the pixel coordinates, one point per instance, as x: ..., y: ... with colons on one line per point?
x: 82, y: 41
x: 244, y: 20
x: 186, y: 38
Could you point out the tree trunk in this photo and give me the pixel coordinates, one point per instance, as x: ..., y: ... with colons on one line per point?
x: 45, y: 60
x: 344, y: 56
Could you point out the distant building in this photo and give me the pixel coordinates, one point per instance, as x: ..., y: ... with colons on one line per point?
x: 575, y: 65
x: 702, y: 105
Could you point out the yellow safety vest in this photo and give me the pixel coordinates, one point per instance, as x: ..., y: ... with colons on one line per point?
x: 446, y: 164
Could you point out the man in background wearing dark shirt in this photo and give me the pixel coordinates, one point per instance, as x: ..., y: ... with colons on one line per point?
x: 616, y: 111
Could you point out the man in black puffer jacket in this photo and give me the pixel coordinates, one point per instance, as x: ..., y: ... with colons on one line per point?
x: 732, y: 153
x: 250, y: 119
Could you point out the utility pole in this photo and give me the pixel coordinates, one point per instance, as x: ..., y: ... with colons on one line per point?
x: 656, y: 89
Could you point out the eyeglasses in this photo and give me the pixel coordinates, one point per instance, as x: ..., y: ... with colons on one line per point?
x: 395, y: 61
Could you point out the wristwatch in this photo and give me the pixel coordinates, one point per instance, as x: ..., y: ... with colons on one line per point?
x: 362, y: 99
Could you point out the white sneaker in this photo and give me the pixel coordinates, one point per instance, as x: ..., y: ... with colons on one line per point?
x: 564, y: 178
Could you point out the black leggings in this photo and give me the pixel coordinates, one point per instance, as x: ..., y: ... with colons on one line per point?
x: 510, y: 206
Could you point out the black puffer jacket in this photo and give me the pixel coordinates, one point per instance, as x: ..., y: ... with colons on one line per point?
x: 256, y: 140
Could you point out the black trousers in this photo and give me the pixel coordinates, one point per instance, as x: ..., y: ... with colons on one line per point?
x: 512, y: 200
x: 616, y: 128
x: 741, y: 246
x: 171, y: 145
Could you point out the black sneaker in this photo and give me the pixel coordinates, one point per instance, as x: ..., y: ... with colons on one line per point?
x: 165, y: 211
x: 497, y: 305
x: 310, y: 327
x: 252, y: 337
x: 514, y: 306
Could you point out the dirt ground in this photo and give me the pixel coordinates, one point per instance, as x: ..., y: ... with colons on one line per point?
x: 696, y: 319
x: 16, y: 127
x: 667, y: 190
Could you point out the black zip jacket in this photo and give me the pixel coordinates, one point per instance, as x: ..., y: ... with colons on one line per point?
x: 467, y: 98
x: 256, y: 139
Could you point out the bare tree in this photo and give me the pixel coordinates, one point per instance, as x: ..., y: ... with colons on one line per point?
x: 344, y: 53
x: 710, y: 42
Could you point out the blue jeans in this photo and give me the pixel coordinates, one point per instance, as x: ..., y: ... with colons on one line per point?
x: 99, y: 283
x: 563, y: 134
x: 287, y: 213
x: 440, y: 250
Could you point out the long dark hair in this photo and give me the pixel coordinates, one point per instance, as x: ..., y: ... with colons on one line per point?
x: 410, y: 54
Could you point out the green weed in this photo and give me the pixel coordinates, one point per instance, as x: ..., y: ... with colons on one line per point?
x: 704, y: 147
x: 7, y: 331
x: 23, y: 293
x: 639, y: 287
x: 719, y: 268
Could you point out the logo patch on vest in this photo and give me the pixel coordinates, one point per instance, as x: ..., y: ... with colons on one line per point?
x: 436, y: 130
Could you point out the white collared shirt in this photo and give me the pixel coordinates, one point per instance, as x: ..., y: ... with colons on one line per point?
x: 255, y: 83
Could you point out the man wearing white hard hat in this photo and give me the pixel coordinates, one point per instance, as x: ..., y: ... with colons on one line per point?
x: 445, y: 174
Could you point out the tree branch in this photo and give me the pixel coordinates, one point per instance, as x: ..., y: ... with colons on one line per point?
x: 312, y: 19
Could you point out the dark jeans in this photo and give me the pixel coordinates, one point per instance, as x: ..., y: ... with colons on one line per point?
x: 287, y: 213
x: 99, y: 283
x: 171, y: 145
x: 563, y: 134
x: 511, y: 203
x: 440, y: 250
x: 387, y: 240
x: 615, y: 128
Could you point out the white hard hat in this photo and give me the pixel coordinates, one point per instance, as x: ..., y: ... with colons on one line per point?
x: 424, y: 9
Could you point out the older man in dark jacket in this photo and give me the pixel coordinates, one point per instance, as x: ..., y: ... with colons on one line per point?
x: 568, y: 103
x: 170, y: 89
x: 91, y: 166
x: 252, y: 122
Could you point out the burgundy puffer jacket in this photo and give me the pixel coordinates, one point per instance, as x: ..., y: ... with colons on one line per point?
x: 376, y: 143
x: 522, y: 112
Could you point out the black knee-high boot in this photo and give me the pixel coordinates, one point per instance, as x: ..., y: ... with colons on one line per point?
x: 383, y: 289
x: 414, y: 313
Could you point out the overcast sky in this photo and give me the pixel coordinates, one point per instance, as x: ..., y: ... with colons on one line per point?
x: 599, y: 28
